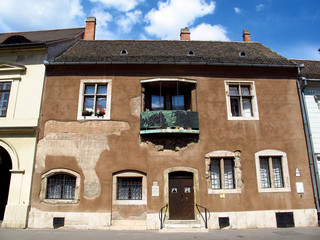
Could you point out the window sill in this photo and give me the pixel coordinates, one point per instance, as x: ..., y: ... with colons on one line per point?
x: 92, y: 118
x: 60, y: 201
x: 243, y: 118
x: 130, y: 202
x: 219, y: 191
x: 273, y: 190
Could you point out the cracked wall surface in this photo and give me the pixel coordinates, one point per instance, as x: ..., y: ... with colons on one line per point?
x: 83, y: 140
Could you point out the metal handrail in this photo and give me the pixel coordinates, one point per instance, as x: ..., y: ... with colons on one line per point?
x: 205, y: 218
x: 162, y: 217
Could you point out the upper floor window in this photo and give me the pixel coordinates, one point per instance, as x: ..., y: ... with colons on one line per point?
x: 4, y: 97
x: 241, y: 101
x: 168, y: 94
x: 94, y: 99
x: 272, y: 171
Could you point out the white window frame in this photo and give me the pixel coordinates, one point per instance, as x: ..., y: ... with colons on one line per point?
x: 143, y: 201
x: 11, y: 73
x: 83, y: 82
x: 44, y: 181
x: 254, y: 103
x: 221, y: 154
x: 285, y: 171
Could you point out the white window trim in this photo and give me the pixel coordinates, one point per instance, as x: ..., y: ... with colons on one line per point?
x: 81, y: 92
x: 285, y: 170
x: 143, y: 201
x: 220, y: 154
x: 254, y: 102
x: 44, y: 181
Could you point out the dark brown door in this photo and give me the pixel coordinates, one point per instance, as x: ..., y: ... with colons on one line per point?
x: 181, y: 196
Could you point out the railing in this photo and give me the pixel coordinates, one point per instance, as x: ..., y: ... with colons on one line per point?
x: 162, y: 217
x: 205, y: 218
x: 152, y: 121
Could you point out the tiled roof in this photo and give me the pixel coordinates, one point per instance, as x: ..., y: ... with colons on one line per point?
x: 178, y: 52
x: 311, y: 68
x: 45, y: 36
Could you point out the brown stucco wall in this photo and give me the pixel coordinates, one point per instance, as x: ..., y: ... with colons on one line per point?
x: 279, y: 127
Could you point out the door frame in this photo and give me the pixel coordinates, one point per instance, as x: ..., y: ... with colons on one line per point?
x: 195, y: 184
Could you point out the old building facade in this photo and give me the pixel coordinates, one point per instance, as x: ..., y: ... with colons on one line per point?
x: 128, y: 128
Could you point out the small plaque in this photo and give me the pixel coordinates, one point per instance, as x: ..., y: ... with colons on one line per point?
x: 300, y: 188
x: 155, y: 191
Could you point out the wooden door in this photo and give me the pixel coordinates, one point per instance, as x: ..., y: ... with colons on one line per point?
x: 181, y: 196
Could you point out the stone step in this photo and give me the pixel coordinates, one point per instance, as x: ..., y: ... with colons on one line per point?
x: 183, y: 226
x: 128, y: 225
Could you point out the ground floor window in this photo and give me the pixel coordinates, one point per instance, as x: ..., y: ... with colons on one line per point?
x: 222, y: 173
x: 61, y: 186
x: 271, y: 167
x: 129, y: 188
x: 272, y: 171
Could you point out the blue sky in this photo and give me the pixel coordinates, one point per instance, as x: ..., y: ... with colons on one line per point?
x: 289, y: 27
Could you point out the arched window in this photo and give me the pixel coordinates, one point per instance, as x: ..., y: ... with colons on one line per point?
x: 61, y: 186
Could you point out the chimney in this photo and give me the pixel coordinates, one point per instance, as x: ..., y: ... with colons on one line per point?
x: 246, y: 35
x: 185, y: 34
x: 90, y: 31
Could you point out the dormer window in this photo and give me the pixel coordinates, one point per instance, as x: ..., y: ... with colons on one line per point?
x: 16, y: 39
x: 124, y: 52
x: 242, y: 54
x: 191, y: 53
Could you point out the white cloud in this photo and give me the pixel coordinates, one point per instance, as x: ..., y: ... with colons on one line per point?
x: 103, y: 20
x: 237, y: 10
x: 172, y: 15
x: 126, y: 22
x: 206, y: 31
x: 25, y: 15
x: 121, y: 5
x: 259, y: 7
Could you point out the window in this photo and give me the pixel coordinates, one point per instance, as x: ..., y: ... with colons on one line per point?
x: 241, y: 101
x: 94, y: 100
x: 222, y: 173
x: 272, y: 171
x: 168, y: 94
x: 129, y: 188
x: 273, y: 177
x: 4, y: 97
x: 61, y: 186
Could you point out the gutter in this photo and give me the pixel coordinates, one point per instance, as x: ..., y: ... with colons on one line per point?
x: 311, y: 155
x: 173, y: 63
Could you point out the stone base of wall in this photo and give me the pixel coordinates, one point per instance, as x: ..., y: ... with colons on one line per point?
x: 72, y: 220
x: 262, y: 219
x: 15, y: 216
x: 238, y: 220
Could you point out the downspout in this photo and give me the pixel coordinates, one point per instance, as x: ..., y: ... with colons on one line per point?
x: 311, y: 155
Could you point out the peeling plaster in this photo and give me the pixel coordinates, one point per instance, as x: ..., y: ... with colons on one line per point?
x: 83, y: 140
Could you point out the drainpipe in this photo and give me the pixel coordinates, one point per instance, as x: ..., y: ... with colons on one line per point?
x: 311, y: 155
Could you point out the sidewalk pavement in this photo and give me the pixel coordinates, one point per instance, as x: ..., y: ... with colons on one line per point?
x: 248, y: 234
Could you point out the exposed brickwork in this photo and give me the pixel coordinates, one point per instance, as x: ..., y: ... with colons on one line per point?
x: 90, y: 32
